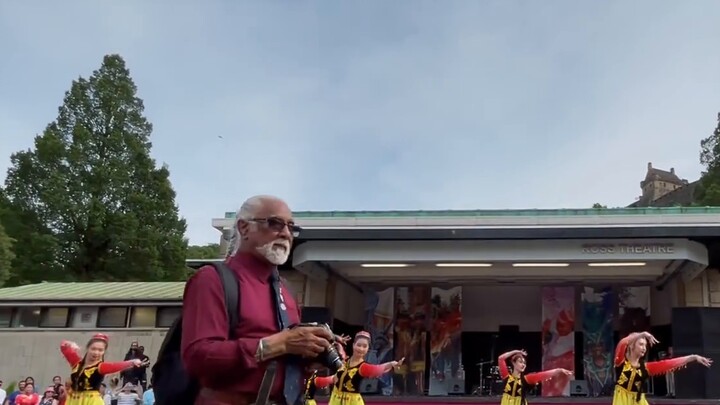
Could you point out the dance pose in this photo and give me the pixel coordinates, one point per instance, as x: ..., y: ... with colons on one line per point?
x: 347, y: 381
x: 89, y: 370
x: 517, y: 383
x: 632, y: 372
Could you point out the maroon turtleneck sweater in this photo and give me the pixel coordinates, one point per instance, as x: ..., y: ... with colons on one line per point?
x: 229, y: 365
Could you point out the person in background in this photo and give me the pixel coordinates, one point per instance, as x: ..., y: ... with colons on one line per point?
x: 59, y: 389
x: 30, y: 380
x: 105, y: 394
x: 13, y: 395
x: 3, y: 393
x: 28, y: 396
x: 670, y: 377
x: 149, y: 396
x: 129, y: 395
x: 48, y: 397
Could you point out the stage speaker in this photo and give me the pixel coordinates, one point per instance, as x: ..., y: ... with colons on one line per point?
x: 579, y: 388
x: 696, y: 330
x: 369, y: 386
x: 317, y: 314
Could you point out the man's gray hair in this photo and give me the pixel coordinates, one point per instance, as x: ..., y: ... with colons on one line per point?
x: 247, y: 211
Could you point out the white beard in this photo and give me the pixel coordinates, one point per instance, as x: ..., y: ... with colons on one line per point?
x: 275, y: 254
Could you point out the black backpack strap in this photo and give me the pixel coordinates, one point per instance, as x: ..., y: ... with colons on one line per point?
x: 232, y: 293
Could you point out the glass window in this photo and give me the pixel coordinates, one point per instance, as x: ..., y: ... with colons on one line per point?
x: 112, y: 317
x: 167, y: 315
x: 143, y: 317
x: 5, y: 317
x: 54, y: 317
x: 26, y: 317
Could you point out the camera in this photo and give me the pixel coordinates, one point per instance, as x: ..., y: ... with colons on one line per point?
x: 330, y: 358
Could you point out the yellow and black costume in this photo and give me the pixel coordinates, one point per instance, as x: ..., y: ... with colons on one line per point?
x: 631, y: 384
x: 87, y: 378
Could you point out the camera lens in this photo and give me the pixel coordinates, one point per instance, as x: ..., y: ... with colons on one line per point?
x: 333, y: 360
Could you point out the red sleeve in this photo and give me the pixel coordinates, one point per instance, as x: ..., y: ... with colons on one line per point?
x: 72, y: 357
x: 620, y: 350
x: 371, y: 370
x: 666, y: 366
x: 206, y: 349
x: 502, y: 364
x: 322, y: 382
x: 537, y: 378
x: 110, y: 368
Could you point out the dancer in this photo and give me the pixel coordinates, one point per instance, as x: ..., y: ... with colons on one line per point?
x: 347, y: 381
x: 632, y: 372
x: 89, y: 370
x: 314, y: 382
x: 518, y: 383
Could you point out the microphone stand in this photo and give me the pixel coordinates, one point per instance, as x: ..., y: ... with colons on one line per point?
x: 492, y: 359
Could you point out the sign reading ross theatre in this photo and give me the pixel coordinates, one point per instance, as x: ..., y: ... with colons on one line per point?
x: 629, y: 248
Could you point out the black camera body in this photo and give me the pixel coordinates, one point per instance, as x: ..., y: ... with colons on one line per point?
x: 330, y: 358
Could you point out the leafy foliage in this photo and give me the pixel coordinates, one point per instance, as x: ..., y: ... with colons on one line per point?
x: 708, y: 192
x: 89, y: 198
x: 6, y: 255
x: 210, y: 251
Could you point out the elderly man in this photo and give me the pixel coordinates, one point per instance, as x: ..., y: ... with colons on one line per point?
x: 230, y: 371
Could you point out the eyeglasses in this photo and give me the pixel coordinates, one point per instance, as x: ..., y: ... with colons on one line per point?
x: 278, y: 225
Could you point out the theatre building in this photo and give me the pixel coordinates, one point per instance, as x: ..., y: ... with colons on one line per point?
x: 450, y: 289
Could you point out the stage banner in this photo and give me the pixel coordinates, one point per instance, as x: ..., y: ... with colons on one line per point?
x: 598, y: 310
x: 558, y: 337
x: 446, y: 372
x: 379, y: 315
x: 412, y: 307
x: 634, y: 310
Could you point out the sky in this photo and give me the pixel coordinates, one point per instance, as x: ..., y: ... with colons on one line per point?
x: 379, y: 105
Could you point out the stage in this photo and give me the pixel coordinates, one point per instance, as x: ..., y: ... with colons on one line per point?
x: 451, y: 400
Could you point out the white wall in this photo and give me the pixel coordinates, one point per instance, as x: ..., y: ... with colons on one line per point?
x: 485, y: 308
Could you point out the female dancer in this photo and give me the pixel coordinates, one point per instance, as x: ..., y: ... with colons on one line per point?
x: 632, y: 372
x: 347, y: 381
x: 314, y: 382
x: 89, y: 370
x: 518, y: 383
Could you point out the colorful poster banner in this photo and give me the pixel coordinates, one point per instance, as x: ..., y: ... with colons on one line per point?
x: 379, y: 315
x: 634, y: 310
x: 558, y: 337
x: 412, y: 307
x: 598, y: 310
x: 446, y: 372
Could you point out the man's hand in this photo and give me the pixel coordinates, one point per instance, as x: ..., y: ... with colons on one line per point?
x: 307, y: 341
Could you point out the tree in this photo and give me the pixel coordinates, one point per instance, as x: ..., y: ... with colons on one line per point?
x: 93, y: 196
x: 598, y: 206
x: 708, y: 191
x: 209, y: 251
x: 6, y: 255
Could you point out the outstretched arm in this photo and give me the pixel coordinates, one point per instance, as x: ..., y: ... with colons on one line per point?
x: 110, y: 368
x: 537, y: 378
x: 70, y: 351
x: 322, y: 382
x: 668, y: 365
x: 376, y: 370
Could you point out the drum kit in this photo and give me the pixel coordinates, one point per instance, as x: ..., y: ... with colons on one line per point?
x: 490, y: 381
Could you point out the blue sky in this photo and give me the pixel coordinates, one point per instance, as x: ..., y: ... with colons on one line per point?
x: 384, y: 105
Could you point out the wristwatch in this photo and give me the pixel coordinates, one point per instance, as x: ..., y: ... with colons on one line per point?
x: 260, y: 351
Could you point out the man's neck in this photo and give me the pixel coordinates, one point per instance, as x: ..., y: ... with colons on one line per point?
x: 253, y: 264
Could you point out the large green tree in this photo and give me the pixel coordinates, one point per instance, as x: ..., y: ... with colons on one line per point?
x: 708, y: 192
x: 6, y: 255
x: 97, y: 206
x: 203, y: 252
